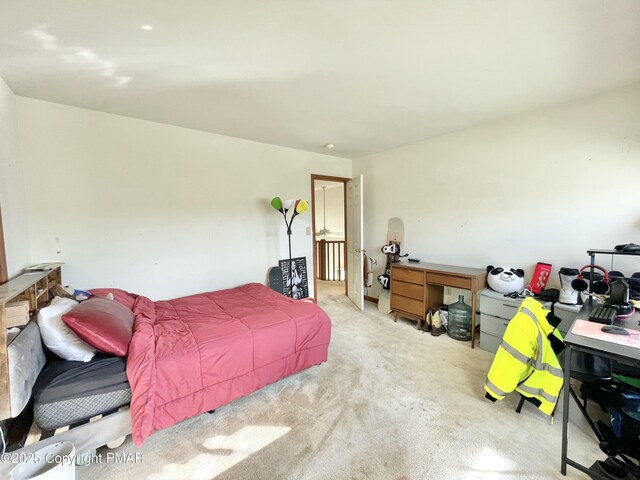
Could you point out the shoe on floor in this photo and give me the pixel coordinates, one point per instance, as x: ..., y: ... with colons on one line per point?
x: 608, y: 469
x: 437, y: 328
x: 633, y: 471
x: 426, y: 325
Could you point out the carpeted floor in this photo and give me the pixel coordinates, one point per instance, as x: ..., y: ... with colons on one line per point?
x: 390, y: 403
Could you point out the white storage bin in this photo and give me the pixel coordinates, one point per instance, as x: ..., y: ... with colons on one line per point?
x: 53, y: 462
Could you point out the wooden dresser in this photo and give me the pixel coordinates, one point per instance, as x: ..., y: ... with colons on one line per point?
x: 418, y: 287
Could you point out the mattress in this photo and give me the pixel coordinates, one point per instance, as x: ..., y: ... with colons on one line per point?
x: 26, y: 359
x: 69, y: 392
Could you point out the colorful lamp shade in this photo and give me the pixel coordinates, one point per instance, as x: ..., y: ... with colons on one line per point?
x: 287, y: 204
x: 276, y: 203
x: 283, y: 206
x: 301, y: 206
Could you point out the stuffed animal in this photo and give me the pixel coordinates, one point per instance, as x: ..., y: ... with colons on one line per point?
x: 70, y: 292
x: 505, y: 279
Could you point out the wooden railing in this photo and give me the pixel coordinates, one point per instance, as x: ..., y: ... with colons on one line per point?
x: 330, y: 259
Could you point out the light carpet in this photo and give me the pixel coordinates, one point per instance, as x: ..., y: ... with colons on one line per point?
x: 390, y: 403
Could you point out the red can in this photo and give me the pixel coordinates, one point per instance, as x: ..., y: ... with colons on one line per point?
x: 540, y: 277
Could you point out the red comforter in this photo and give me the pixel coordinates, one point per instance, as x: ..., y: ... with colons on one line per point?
x: 194, y: 354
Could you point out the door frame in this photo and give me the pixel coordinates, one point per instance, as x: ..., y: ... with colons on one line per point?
x: 4, y: 276
x: 327, y: 178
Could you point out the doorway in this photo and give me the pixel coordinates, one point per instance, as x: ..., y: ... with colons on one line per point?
x: 329, y: 223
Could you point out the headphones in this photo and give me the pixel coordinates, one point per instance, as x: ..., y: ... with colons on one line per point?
x: 600, y: 287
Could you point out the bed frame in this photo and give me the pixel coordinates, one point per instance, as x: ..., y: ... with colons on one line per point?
x: 108, y: 430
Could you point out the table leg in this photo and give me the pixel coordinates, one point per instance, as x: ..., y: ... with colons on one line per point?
x: 474, y: 302
x: 565, y: 408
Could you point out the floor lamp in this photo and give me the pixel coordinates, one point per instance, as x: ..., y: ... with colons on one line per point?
x: 297, y: 207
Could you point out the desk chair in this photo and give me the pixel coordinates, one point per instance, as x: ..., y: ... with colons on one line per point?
x: 590, y: 370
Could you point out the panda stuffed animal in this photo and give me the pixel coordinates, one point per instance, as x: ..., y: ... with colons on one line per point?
x: 505, y: 279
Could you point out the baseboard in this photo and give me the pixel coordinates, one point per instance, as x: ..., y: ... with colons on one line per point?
x: 371, y: 299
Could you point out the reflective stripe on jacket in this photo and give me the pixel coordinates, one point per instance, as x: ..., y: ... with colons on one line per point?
x: 525, y: 361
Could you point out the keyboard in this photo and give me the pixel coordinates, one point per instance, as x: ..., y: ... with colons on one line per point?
x: 603, y: 314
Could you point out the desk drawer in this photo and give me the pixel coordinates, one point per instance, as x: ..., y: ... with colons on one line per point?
x: 499, y: 307
x: 493, y: 325
x: 409, y: 305
x: 449, y: 280
x: 489, y: 342
x: 405, y: 289
x: 406, y: 275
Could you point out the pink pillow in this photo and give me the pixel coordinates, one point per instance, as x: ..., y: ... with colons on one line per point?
x: 125, y: 298
x: 102, y: 323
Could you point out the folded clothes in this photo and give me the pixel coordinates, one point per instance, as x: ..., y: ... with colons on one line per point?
x: 611, y: 468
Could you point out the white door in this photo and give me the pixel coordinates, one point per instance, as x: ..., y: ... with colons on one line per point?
x: 355, y: 241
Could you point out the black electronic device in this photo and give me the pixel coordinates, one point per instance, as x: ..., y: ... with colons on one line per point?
x: 618, y: 290
x: 615, y: 330
x: 628, y: 247
x: 603, y: 314
x: 415, y: 260
x: 623, y: 309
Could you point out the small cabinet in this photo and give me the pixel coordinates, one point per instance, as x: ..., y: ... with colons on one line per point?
x: 496, y: 311
x: 568, y: 313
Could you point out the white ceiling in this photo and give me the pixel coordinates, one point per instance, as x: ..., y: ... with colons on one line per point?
x: 319, y: 184
x: 366, y: 75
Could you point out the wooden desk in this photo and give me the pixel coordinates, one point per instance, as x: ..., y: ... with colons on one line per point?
x: 418, y: 287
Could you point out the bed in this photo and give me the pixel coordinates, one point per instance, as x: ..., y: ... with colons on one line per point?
x: 188, y: 356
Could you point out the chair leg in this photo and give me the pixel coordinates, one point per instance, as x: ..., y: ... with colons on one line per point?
x: 520, y: 403
x: 583, y: 409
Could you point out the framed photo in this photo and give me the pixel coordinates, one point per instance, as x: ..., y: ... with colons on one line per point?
x: 296, y: 284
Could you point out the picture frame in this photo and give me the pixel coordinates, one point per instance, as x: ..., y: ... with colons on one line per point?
x: 299, y: 287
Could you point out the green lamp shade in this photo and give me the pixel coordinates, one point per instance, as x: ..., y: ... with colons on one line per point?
x: 277, y: 203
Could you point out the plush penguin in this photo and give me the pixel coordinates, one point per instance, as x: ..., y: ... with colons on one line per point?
x: 505, y: 279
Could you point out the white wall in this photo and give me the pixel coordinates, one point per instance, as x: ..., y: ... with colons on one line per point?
x: 335, y: 210
x: 12, y: 195
x: 541, y: 186
x: 156, y: 209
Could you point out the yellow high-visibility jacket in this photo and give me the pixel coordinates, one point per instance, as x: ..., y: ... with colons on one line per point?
x: 525, y: 361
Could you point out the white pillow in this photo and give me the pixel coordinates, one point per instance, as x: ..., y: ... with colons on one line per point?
x: 57, y: 336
